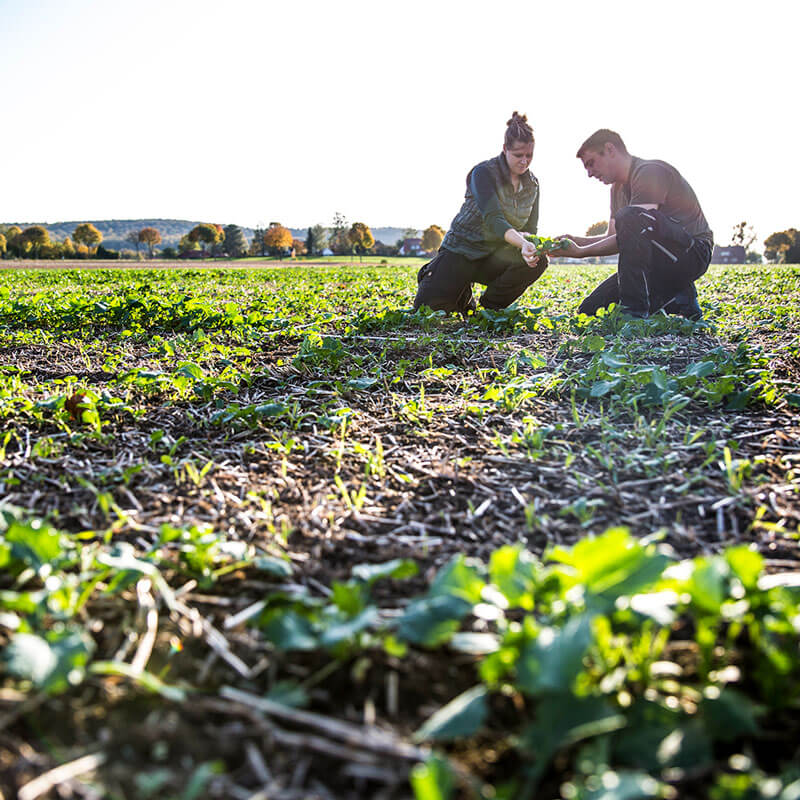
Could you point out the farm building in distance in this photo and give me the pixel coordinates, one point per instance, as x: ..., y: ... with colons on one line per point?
x: 411, y: 247
x: 732, y: 254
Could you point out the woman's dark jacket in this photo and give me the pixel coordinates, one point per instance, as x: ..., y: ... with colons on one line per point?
x: 491, y: 207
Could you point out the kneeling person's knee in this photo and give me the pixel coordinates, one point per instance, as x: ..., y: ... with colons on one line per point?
x: 628, y: 220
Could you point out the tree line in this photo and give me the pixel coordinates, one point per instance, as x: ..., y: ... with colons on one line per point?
x: 211, y: 240
x: 34, y: 242
x: 341, y: 238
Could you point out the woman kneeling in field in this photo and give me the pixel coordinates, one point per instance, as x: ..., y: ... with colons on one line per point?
x: 486, y: 243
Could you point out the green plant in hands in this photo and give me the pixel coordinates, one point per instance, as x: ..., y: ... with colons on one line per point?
x: 544, y: 244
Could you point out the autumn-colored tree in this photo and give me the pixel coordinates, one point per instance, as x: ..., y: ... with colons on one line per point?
x: 87, y: 234
x: 277, y: 239
x: 597, y: 228
x: 81, y: 251
x: 68, y: 248
x: 3, y: 244
x: 783, y: 246
x: 299, y: 247
x: 235, y: 241
x: 187, y: 245
x: 51, y: 250
x: 151, y: 237
x: 208, y: 234
x: 432, y: 238
x: 37, y: 237
x: 216, y: 248
x: 360, y: 238
x: 12, y: 236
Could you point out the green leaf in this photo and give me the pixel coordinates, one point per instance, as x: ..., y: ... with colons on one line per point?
x: 460, y: 577
x: 737, y: 401
x: 270, y: 409
x: 35, y: 543
x: 746, y: 564
x: 553, y: 660
x: 53, y: 663
x: 200, y: 778
x: 619, y: 785
x: 288, y: 693
x: 432, y: 620
x: 123, y: 558
x: 701, y: 369
x: 602, y: 388
x: 729, y: 715
x: 288, y: 630
x: 658, y: 738
x: 564, y: 719
x: 344, y: 631
x: 274, y: 566
x: 433, y: 780
x: 648, y: 725
x: 361, y: 384
x: 593, y: 343
x: 686, y: 747
x: 793, y: 400
x: 30, y: 657
x: 350, y: 597
x: 398, y: 568
x: 24, y: 602
x: 513, y: 570
x: 612, y: 360
x: 708, y: 584
x: 462, y: 716
x: 190, y: 370
x: 612, y: 564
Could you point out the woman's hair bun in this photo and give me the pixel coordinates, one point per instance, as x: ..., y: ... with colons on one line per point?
x: 518, y: 130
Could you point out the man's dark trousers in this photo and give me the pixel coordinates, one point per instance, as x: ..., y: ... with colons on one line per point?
x: 658, y: 264
x: 445, y: 284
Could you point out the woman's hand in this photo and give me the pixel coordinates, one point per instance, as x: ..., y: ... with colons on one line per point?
x: 529, y: 254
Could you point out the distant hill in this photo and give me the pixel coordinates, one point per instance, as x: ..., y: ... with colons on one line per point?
x: 115, y: 230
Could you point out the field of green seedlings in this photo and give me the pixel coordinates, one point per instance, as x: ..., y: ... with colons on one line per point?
x: 267, y: 533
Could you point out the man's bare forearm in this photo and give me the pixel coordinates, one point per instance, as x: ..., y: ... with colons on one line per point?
x: 600, y: 246
x: 582, y: 241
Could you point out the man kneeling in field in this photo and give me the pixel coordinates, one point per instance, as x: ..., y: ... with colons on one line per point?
x: 656, y: 226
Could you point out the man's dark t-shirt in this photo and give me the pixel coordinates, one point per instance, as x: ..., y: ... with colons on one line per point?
x: 652, y: 181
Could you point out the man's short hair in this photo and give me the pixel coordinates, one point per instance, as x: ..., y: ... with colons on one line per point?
x: 598, y: 140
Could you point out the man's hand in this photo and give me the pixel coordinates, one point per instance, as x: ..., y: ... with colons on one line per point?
x: 568, y: 250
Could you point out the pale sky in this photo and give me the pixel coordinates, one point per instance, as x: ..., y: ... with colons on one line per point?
x: 247, y: 112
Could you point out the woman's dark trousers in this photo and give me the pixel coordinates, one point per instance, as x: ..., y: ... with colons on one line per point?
x: 445, y: 284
